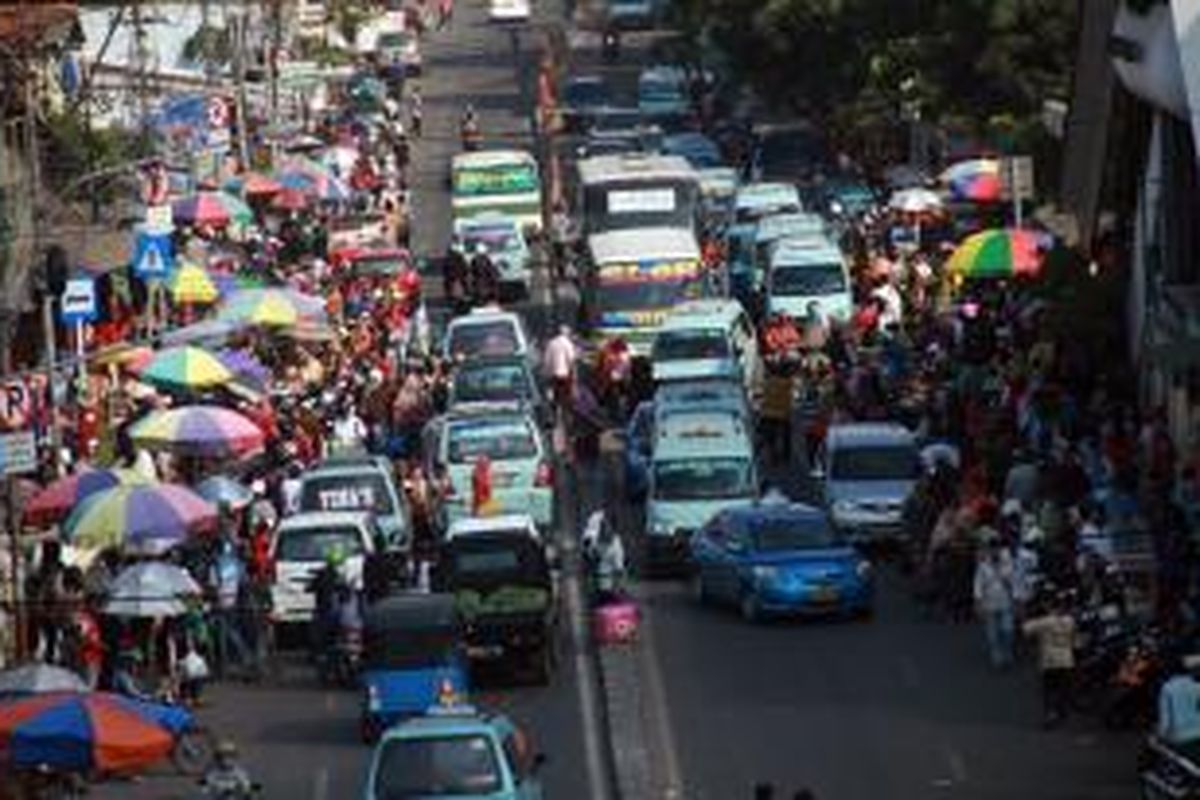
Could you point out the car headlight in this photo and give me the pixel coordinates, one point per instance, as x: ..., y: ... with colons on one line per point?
x: 764, y: 574
x: 863, y: 570
x: 844, y: 507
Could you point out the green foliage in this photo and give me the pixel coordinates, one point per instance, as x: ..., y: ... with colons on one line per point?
x: 348, y: 16
x: 209, y: 44
x: 72, y: 148
x: 971, y: 58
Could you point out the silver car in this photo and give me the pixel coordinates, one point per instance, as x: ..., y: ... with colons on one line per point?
x: 869, y: 471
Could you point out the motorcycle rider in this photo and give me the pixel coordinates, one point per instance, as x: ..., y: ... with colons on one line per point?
x: 326, y: 586
x: 1179, y: 710
x: 485, y: 278
x: 469, y: 129
x: 604, y: 554
x: 226, y: 779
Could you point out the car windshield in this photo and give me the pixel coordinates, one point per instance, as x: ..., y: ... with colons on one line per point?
x: 363, y: 492
x: 875, y: 463
x: 683, y: 345
x: 394, y: 40
x: 812, y: 279
x: 314, y: 544
x: 491, y: 382
x: 445, y: 766
x: 498, y: 439
x: 636, y: 295
x: 703, y: 479
x: 494, y: 240
x: 660, y: 91
x: 587, y: 93
x: 497, y: 338
x: 790, y: 533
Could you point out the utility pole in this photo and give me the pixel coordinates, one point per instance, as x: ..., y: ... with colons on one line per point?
x: 239, y: 66
x: 141, y: 55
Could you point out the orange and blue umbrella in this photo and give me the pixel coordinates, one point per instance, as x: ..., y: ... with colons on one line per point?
x: 217, y: 209
x: 55, y: 502
x: 198, y: 430
x: 997, y: 253
x: 145, y: 519
x: 82, y: 732
x: 977, y: 180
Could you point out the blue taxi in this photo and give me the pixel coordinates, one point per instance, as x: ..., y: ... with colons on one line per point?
x: 779, y: 558
x: 452, y: 753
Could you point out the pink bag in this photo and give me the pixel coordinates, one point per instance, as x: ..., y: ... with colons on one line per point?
x: 616, y: 622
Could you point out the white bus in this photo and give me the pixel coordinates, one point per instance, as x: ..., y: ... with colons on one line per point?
x: 638, y: 190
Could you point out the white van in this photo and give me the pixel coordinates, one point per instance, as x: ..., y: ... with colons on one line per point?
x: 707, y: 339
x: 808, y: 272
x: 870, y: 469
x: 300, y: 547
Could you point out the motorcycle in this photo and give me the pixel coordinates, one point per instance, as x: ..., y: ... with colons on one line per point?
x: 1166, y: 773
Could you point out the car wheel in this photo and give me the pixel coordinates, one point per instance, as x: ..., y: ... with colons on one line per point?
x: 749, y: 606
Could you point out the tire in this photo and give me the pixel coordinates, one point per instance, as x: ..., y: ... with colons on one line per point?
x: 193, y: 751
x: 749, y: 607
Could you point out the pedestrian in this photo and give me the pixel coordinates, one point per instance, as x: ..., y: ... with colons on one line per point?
x: 226, y: 577
x: 1054, y: 632
x: 993, y: 590
x: 416, y: 112
x: 559, y: 366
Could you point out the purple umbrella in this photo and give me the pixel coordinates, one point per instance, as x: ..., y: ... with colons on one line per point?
x: 246, y: 367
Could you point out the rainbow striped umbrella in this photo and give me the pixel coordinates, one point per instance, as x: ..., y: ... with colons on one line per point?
x: 253, y: 184
x: 198, y: 430
x: 186, y: 368
x: 146, y: 519
x: 997, y: 253
x: 273, y: 307
x: 191, y: 283
x: 212, y: 208
x: 54, y: 503
x: 977, y: 180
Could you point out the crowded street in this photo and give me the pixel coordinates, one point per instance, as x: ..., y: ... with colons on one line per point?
x: 540, y: 400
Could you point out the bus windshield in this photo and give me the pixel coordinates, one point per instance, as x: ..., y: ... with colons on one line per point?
x: 644, y: 204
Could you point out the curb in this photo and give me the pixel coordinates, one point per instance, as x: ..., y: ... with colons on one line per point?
x: 624, y: 701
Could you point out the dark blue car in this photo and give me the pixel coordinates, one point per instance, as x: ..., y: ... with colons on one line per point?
x: 777, y: 559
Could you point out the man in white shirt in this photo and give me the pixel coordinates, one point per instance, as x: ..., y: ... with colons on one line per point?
x: 349, y: 431
x: 559, y: 363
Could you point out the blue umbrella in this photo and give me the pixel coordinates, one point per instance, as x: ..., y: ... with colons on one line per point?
x: 223, y: 490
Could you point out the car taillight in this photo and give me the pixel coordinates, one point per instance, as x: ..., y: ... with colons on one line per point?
x: 545, y: 475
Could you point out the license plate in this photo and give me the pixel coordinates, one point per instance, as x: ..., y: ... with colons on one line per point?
x: 824, y: 594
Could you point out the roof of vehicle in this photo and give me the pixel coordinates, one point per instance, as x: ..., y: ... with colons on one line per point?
x: 797, y: 251
x: 767, y: 193
x: 719, y: 392
x: 485, y: 314
x: 747, y: 515
x: 323, y: 519
x: 789, y: 223
x: 718, y: 180
x: 701, y: 429
x: 634, y: 245
x: 485, y: 409
x: 501, y: 522
x: 625, y: 166
x: 482, y: 159
x: 445, y: 724
x: 689, y: 142
x: 485, y: 220
x: 689, y: 314
x: 412, y: 610
x: 868, y: 434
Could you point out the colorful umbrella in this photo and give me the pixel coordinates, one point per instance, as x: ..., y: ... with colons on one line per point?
x: 254, y: 184
x: 55, y: 502
x: 222, y: 490
x: 314, y: 178
x: 245, y: 368
x: 39, y: 679
x: 212, y: 208
x: 273, y: 307
x: 977, y: 180
x: 147, y: 520
x: 211, y: 331
x: 997, y: 254
x: 198, y: 430
x: 192, y: 284
x: 151, y: 589
x: 81, y: 732
x: 123, y: 354
x: 185, y: 368
x: 290, y: 199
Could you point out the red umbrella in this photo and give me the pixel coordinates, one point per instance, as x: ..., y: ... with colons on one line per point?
x: 257, y: 184
x: 289, y: 199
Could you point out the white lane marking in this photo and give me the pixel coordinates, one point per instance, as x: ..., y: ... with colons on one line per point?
x: 659, y: 710
x: 321, y: 784
x: 585, y: 684
x: 910, y: 675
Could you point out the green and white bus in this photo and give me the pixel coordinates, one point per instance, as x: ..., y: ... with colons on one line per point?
x: 503, y: 181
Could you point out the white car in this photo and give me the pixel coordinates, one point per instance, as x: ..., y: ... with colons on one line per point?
x: 508, y: 10
x: 300, y: 547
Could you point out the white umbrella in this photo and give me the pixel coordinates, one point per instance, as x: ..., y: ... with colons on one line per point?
x: 151, y: 589
x: 39, y: 679
x: 915, y: 201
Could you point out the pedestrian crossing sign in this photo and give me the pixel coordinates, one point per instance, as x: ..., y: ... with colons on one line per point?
x: 153, y: 256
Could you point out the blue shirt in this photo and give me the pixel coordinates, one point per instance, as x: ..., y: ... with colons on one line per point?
x: 1179, y: 710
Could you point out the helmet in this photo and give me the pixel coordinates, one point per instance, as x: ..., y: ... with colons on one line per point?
x: 335, y: 556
